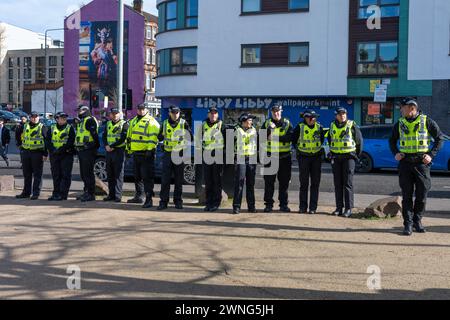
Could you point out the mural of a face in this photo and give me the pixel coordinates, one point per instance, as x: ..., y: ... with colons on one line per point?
x: 103, y: 34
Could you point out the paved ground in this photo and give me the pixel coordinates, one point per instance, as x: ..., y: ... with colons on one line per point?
x: 124, y: 252
x: 383, y: 183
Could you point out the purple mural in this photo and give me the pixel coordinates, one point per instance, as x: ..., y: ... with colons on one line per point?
x: 90, y: 55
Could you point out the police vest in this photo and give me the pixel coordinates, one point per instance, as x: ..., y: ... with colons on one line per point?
x: 309, y: 140
x: 342, y: 140
x: 60, y: 137
x: 142, y: 134
x: 83, y: 135
x: 32, y: 137
x: 174, y: 138
x: 246, y: 142
x: 114, y: 133
x: 274, y: 145
x: 212, y: 136
x: 414, y: 136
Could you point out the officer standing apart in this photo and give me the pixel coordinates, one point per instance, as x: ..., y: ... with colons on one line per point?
x: 34, y: 153
x: 246, y: 147
x: 213, y: 133
x: 279, y: 138
x: 114, y: 139
x: 87, y: 144
x: 175, y: 132
x: 60, y: 144
x: 5, y: 139
x: 309, y: 137
x: 414, y: 131
x: 345, y: 140
x: 142, y: 141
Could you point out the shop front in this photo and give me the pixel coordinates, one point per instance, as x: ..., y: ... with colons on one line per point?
x: 230, y: 108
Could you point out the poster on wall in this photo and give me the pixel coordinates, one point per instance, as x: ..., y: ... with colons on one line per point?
x: 98, y: 65
x: 374, y: 109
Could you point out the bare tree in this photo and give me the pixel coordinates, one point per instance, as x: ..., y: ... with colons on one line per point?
x: 113, y: 96
x: 54, y: 100
x: 83, y: 95
x: 2, y: 40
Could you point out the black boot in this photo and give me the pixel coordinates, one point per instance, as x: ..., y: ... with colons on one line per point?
x: 136, y: 200
x: 162, y: 206
x: 285, y: 209
x: 22, y: 196
x: 408, y: 230
x: 179, y: 206
x: 148, y: 202
x: 418, y: 227
x: 348, y: 213
x: 88, y: 198
x: 56, y: 198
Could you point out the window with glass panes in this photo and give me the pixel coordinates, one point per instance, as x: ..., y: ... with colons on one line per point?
x: 53, y: 61
x: 52, y: 73
x: 299, y: 53
x: 377, y: 58
x: 191, y: 13
x: 388, y: 8
x: 171, y: 15
x: 275, y: 54
x: 377, y: 113
x: 273, y: 6
x: 251, y: 55
x: 27, y: 62
x: 183, y: 60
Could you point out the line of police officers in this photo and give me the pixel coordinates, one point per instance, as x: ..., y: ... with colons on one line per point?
x: 410, y: 143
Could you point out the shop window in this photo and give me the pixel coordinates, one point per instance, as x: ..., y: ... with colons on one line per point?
x: 377, y: 113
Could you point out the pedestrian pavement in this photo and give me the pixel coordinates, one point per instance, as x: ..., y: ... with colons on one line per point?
x: 326, y: 198
x: 126, y: 252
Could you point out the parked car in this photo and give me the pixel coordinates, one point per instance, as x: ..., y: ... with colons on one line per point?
x: 9, y: 117
x: 100, y: 164
x: 20, y: 113
x: 47, y: 122
x: 377, y: 154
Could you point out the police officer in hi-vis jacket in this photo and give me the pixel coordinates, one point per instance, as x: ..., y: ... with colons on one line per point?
x: 142, y: 141
x: 309, y: 137
x: 345, y: 141
x: 114, y: 140
x: 60, y: 144
x: 415, y: 153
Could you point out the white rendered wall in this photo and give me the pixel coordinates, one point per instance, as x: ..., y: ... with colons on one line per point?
x: 221, y: 32
x: 429, y: 40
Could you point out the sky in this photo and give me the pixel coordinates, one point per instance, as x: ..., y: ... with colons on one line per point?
x: 38, y: 15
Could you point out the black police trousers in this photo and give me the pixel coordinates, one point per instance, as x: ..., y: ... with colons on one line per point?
x: 61, y: 167
x: 144, y: 173
x: 213, y: 184
x: 310, y: 169
x: 32, y: 168
x: 87, y: 161
x: 115, y: 161
x: 284, y: 178
x: 414, y: 179
x: 343, y: 172
x: 169, y: 169
x: 244, y: 174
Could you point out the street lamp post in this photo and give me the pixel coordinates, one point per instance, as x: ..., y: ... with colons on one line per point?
x: 120, y: 32
x: 45, y: 66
